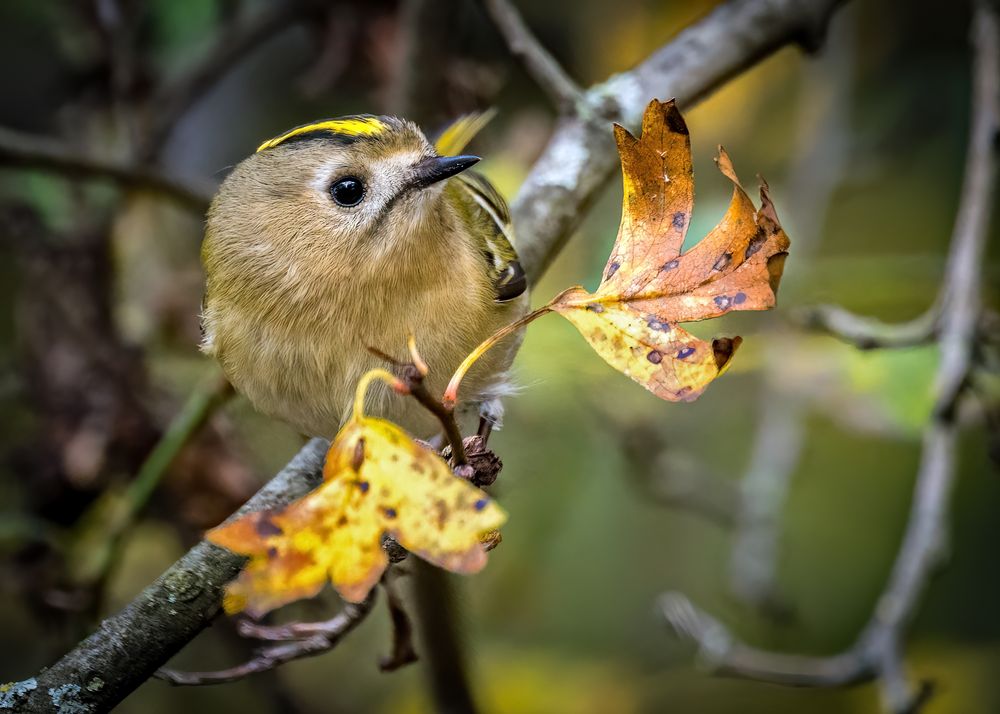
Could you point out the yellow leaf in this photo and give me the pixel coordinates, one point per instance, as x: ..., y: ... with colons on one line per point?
x: 649, y: 286
x: 377, y: 482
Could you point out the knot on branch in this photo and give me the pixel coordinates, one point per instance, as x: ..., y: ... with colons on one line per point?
x: 483, y: 465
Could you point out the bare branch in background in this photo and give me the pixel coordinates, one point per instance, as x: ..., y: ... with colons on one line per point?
x: 403, y: 652
x: 675, y: 479
x: 34, y: 152
x: 537, y: 60
x: 877, y: 653
x: 753, y: 563
x: 867, y: 333
x: 170, y: 104
x: 575, y: 167
x: 580, y: 157
x: 823, y: 139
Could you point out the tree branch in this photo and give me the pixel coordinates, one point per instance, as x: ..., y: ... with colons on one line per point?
x: 580, y: 157
x: 877, y: 651
x: 672, y: 478
x: 778, y: 443
x: 131, y: 645
x: 22, y: 150
x: 867, y: 333
x: 537, y: 60
x: 323, y: 637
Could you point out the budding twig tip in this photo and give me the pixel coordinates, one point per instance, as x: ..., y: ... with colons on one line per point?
x: 418, y: 362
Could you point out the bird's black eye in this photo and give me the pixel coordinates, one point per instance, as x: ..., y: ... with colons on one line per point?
x: 348, y: 191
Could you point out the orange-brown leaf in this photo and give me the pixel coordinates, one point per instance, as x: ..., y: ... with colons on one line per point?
x: 658, y: 198
x: 649, y: 286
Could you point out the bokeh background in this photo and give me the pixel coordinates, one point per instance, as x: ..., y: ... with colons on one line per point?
x: 863, y: 145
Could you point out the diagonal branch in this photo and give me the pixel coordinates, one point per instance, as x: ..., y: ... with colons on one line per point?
x: 131, y: 645
x: 580, y: 157
x: 877, y: 651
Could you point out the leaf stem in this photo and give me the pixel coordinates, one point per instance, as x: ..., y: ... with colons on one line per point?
x: 362, y: 389
x: 450, y: 397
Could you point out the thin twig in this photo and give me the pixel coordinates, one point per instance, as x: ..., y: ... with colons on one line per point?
x: 441, y: 643
x: 537, y: 60
x: 327, y: 635
x: 877, y: 651
x: 753, y: 563
x: 418, y: 390
x: 412, y: 375
x: 403, y: 652
x: 27, y: 151
x: 867, y: 333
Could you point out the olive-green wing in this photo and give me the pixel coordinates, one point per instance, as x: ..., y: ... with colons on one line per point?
x: 488, y: 210
x: 492, y: 219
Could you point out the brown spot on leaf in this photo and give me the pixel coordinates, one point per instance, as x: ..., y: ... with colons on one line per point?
x: 265, y: 527
x: 723, y: 349
x: 654, y: 356
x: 612, y: 269
x: 775, y: 267
x: 671, y: 265
x: 756, y: 243
x: 674, y: 119
x: 723, y: 262
x: 678, y: 220
x: 358, y: 457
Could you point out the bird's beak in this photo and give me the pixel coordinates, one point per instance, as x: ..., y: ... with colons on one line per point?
x: 438, y: 168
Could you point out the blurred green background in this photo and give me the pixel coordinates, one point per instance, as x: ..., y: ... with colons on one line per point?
x: 863, y: 145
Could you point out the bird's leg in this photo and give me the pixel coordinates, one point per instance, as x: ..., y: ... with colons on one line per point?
x: 485, y: 428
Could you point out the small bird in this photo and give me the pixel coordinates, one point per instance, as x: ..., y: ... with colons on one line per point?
x: 348, y: 234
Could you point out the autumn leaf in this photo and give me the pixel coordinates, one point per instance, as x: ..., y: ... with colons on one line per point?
x: 377, y: 482
x: 649, y: 286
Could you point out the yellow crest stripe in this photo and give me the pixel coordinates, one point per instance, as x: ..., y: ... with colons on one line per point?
x: 352, y: 126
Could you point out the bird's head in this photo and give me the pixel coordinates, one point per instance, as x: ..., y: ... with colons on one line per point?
x: 357, y: 186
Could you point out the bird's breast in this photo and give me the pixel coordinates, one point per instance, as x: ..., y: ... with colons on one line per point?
x: 298, y: 349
